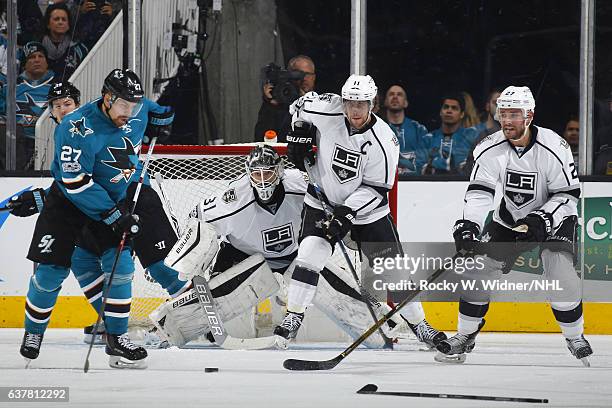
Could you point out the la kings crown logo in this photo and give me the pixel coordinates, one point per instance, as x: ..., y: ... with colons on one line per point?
x: 278, y: 239
x: 345, y: 164
x: 520, y: 187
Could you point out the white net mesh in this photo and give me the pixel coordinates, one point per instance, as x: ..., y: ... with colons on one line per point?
x: 190, y: 174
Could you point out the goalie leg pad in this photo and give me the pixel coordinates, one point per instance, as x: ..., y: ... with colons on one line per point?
x: 341, y: 303
x: 236, y: 291
x: 194, y: 251
x: 243, y: 286
x: 180, y: 320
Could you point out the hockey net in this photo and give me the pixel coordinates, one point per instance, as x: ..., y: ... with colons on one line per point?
x: 190, y: 174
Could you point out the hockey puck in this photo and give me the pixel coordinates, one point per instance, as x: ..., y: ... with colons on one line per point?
x: 211, y: 370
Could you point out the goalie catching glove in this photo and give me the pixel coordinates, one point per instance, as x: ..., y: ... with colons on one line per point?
x: 27, y: 203
x: 300, y: 144
x: 193, y: 253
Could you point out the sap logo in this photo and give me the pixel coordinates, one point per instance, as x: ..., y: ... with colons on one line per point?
x: 346, y: 164
x: 277, y: 239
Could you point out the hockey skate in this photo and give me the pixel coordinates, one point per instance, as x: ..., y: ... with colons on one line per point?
x: 30, y: 346
x: 123, y: 353
x: 427, y: 334
x: 100, y: 334
x: 580, y: 348
x: 454, y: 349
x: 288, y: 329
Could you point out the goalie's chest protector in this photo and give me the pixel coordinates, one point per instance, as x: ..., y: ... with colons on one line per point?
x: 252, y: 228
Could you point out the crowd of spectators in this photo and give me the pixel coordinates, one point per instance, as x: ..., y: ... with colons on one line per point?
x: 53, y: 38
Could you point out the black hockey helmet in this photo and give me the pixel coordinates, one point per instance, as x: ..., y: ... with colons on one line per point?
x: 66, y: 89
x: 124, y: 84
x: 265, y: 169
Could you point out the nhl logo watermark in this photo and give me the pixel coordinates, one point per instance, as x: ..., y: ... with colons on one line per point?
x: 345, y: 164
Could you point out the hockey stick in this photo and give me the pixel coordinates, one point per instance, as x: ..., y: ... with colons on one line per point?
x: 372, y: 389
x: 369, y: 300
x: 143, y: 173
x: 202, y: 289
x: 310, y: 365
x: 7, y: 208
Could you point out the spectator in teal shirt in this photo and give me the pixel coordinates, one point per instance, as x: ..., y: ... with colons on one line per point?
x: 409, y: 132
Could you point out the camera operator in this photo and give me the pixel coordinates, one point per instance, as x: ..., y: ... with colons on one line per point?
x: 280, y: 89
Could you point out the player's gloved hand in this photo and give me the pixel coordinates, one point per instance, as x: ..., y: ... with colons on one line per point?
x: 122, y: 222
x: 300, y: 144
x: 27, y: 203
x: 539, y: 227
x: 465, y: 233
x: 160, y: 126
x: 340, y: 223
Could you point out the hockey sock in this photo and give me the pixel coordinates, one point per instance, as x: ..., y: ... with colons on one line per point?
x: 302, y: 289
x: 470, y: 316
x: 88, y: 271
x: 168, y: 279
x: 117, y: 310
x: 570, y: 319
x: 413, y: 312
x: 45, y: 285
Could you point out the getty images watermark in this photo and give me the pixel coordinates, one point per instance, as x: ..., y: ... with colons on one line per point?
x: 470, y: 275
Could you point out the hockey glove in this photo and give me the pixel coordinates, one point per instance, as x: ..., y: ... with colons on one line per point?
x: 340, y: 223
x: 27, y: 203
x: 465, y: 233
x: 300, y: 144
x: 539, y: 227
x: 160, y: 125
x: 122, y: 222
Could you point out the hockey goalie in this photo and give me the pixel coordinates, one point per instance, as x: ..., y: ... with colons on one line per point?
x: 257, y: 222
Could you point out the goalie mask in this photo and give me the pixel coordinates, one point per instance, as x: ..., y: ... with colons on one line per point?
x: 265, y: 169
x: 358, y: 93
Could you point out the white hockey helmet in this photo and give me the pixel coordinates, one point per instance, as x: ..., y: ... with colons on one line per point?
x: 265, y: 169
x: 359, y: 88
x: 515, y: 97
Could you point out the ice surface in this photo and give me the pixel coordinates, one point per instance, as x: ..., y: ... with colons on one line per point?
x: 516, y: 365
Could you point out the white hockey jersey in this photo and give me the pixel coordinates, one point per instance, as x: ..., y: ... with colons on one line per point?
x: 542, y: 177
x: 354, y: 170
x: 243, y: 222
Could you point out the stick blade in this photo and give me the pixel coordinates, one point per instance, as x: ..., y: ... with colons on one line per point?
x: 368, y: 389
x: 309, y: 365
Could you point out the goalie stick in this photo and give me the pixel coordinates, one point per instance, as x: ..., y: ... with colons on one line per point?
x: 207, y: 302
x: 143, y: 173
x: 311, y: 365
x: 369, y: 300
x: 372, y: 389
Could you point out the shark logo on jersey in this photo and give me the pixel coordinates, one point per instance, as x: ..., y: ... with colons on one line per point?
x: 80, y: 128
x: 26, y: 110
x: 124, y: 159
x: 278, y: 239
x: 345, y: 164
x: 520, y: 187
